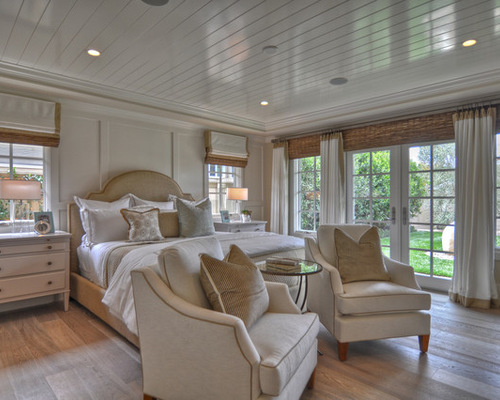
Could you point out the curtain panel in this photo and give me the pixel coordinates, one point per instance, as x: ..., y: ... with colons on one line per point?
x: 473, y: 283
x: 332, y: 202
x: 29, y: 121
x: 279, y: 189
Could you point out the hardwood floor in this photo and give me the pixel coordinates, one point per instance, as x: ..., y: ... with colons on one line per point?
x: 46, y: 353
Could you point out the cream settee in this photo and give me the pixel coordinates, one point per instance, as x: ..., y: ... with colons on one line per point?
x: 190, y: 351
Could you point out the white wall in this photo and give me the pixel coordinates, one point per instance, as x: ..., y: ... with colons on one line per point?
x: 98, y: 143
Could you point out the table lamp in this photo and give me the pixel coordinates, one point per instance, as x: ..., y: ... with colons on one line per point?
x: 11, y: 189
x: 239, y: 194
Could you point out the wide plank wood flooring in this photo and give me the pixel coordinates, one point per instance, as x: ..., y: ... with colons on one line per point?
x: 46, y: 353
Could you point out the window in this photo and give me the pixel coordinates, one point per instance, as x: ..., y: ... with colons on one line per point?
x: 220, y: 177
x: 497, y: 191
x: 23, y: 162
x: 307, y: 179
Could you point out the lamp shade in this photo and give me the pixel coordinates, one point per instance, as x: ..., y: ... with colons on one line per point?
x: 236, y: 193
x: 20, y: 190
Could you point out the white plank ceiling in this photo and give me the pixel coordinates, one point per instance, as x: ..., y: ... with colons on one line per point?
x: 204, y: 58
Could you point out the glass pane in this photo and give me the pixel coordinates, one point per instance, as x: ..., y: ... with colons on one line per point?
x: 442, y: 264
x: 306, y: 201
x: 420, y: 210
x: 361, y: 186
x: 497, y: 138
x: 420, y: 261
x: 4, y: 167
x: 307, y: 182
x: 420, y: 237
x: 26, y: 150
x: 381, y: 162
x: 444, y: 183
x: 316, y: 203
x: 4, y: 210
x: 361, y: 163
x: 306, y: 164
x: 384, y: 233
x: 420, y: 158
x: 381, y: 185
x: 498, y: 171
x: 498, y: 233
x: 318, y: 163
x: 443, y: 156
x: 498, y: 202
x: 381, y: 209
x: 444, y: 211
x: 444, y: 239
x: 306, y: 221
x: 4, y: 149
x: 420, y: 184
x: 361, y: 209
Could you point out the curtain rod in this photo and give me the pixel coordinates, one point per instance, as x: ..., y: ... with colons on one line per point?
x: 493, y: 102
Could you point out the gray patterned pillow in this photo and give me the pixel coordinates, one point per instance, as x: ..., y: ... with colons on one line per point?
x: 195, y: 218
x: 234, y: 285
x: 143, y: 225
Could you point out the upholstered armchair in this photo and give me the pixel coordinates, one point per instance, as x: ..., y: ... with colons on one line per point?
x: 190, y: 351
x: 393, y: 306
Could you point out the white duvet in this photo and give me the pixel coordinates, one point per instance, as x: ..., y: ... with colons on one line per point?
x: 119, y: 295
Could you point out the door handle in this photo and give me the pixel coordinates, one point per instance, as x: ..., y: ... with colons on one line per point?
x: 393, y: 215
x: 405, y: 215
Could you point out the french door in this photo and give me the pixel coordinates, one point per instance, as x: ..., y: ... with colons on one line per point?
x: 408, y: 192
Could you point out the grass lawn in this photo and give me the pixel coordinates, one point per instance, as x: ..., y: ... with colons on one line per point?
x: 420, y: 259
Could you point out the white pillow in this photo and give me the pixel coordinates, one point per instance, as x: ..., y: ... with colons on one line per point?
x: 90, y: 205
x: 105, y: 225
x: 162, y: 205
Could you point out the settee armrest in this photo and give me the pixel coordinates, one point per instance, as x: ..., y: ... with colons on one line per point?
x: 313, y: 254
x: 280, y: 300
x: 402, y: 274
x: 173, y: 334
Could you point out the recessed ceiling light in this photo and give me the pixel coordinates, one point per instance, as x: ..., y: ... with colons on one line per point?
x: 94, y: 52
x: 155, y: 2
x: 264, y: 103
x: 270, y: 49
x: 338, y: 81
x: 470, y: 42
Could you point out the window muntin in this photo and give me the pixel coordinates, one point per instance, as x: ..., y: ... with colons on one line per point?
x: 221, y: 177
x: 23, y: 162
x: 307, y: 193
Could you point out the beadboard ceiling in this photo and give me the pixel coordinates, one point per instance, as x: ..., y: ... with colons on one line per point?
x: 205, y: 59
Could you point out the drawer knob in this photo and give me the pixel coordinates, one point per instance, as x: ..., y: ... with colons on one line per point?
x: 49, y: 263
x: 49, y: 247
x: 49, y: 282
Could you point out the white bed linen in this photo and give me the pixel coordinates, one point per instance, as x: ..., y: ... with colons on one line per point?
x: 119, y: 295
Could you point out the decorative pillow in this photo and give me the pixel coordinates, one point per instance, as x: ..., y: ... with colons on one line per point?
x: 195, y: 218
x: 104, y: 225
x: 234, y: 285
x: 169, y: 223
x: 162, y: 205
x: 179, y: 266
x: 361, y: 261
x: 143, y: 225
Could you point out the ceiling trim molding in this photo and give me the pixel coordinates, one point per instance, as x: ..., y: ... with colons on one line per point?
x: 85, y: 87
x: 449, y: 93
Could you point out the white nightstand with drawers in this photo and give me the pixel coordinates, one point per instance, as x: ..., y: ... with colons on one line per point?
x: 33, y: 265
x: 252, y: 226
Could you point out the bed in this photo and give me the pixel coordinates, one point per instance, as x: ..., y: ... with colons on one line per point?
x: 90, y: 291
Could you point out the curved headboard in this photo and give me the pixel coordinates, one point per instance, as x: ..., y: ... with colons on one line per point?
x: 148, y: 185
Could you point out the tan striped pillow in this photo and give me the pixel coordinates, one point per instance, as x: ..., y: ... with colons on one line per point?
x: 234, y: 286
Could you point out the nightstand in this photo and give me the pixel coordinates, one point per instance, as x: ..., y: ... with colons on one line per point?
x: 33, y: 265
x: 252, y: 226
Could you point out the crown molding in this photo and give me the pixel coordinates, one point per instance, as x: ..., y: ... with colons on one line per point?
x: 81, y: 89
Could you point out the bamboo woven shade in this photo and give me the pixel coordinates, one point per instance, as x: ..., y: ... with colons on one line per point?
x: 414, y: 130
x: 306, y: 146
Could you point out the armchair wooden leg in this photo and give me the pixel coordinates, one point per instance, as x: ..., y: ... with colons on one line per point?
x: 148, y: 397
x: 310, y: 384
x: 342, y: 350
x: 423, y: 342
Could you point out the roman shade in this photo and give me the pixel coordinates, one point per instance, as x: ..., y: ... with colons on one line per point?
x: 226, y: 149
x: 29, y: 121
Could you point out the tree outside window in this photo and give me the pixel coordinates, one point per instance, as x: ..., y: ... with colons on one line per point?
x: 308, y: 179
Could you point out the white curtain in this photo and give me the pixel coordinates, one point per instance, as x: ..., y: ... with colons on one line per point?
x: 279, y: 190
x: 473, y: 283
x: 332, y: 206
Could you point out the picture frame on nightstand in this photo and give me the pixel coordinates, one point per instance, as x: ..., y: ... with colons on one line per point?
x: 44, y: 222
x: 224, y: 216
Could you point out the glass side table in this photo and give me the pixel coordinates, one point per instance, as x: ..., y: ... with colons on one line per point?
x: 303, y: 270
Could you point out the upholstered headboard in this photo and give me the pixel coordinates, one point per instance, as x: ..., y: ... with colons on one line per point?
x: 148, y: 185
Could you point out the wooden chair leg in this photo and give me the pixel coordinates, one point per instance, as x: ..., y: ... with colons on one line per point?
x: 423, y: 342
x: 148, y: 397
x: 342, y: 350
x: 310, y: 384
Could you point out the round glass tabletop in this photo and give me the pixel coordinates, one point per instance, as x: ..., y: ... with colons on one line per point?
x: 304, y: 267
